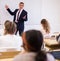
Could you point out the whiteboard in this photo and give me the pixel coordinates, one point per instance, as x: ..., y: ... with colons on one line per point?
x: 37, y: 9
x: 33, y: 7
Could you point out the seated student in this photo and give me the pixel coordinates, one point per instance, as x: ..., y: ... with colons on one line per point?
x: 9, y: 40
x: 32, y: 43
x: 45, y: 28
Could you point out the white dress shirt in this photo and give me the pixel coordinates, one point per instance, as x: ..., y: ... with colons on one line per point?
x: 17, y: 16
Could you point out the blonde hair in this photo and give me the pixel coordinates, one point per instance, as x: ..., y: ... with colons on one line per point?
x: 45, y: 25
x: 10, y: 27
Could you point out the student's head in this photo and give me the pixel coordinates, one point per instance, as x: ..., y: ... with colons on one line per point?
x: 21, y: 5
x: 45, y: 25
x: 32, y: 42
x: 10, y: 27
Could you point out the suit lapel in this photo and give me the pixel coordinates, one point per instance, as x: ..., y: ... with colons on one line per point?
x: 21, y: 12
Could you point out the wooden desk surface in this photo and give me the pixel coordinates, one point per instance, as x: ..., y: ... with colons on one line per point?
x: 8, y: 56
x: 11, y: 59
x: 52, y: 44
x: 4, y: 55
x: 8, y: 59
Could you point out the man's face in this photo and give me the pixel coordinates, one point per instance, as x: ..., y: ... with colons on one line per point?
x: 21, y: 6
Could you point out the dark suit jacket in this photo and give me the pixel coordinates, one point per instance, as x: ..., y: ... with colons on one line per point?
x: 20, y: 24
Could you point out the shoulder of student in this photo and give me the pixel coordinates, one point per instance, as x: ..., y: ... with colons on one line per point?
x: 25, y: 57
x: 30, y: 56
x: 50, y: 57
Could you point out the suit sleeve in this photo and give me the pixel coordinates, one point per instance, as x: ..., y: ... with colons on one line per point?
x: 26, y: 17
x: 11, y: 13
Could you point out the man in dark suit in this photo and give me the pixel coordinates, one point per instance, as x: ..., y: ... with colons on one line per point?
x: 20, y: 15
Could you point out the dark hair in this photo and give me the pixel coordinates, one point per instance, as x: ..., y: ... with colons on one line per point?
x: 46, y: 26
x: 34, y: 39
x: 10, y: 27
x: 21, y: 3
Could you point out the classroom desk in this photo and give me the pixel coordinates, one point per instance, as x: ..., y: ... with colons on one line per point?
x: 8, y: 59
x: 54, y: 47
x: 51, y: 44
x: 11, y: 54
x: 11, y: 59
x: 8, y: 56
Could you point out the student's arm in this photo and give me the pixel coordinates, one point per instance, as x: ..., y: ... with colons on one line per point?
x: 7, y: 8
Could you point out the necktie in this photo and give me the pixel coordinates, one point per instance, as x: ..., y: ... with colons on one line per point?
x: 17, y: 16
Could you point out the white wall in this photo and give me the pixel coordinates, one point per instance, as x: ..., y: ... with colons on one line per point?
x: 51, y: 11
x: 37, y: 9
x: 33, y: 7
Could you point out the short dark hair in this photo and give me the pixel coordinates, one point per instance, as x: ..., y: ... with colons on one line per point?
x: 21, y: 3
